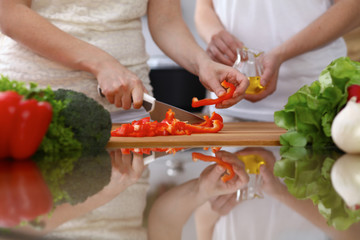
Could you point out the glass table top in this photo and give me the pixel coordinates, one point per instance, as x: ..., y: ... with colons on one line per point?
x: 232, y: 192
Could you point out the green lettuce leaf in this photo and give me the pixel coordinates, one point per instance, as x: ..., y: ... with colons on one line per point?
x: 306, y: 173
x: 310, y: 111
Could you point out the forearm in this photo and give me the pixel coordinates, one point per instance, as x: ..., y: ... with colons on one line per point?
x: 172, y: 35
x: 341, y: 18
x: 172, y: 210
x: 205, y: 220
x: 206, y: 21
x: 308, y: 210
x: 33, y: 31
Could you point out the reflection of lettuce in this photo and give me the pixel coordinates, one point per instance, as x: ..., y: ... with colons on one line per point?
x: 74, y: 178
x: 306, y: 173
x: 309, y: 113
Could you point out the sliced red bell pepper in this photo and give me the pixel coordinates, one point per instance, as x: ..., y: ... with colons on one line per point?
x: 24, y: 195
x: 23, y: 124
x: 169, y: 126
x: 149, y: 150
x: 229, y: 169
x: 230, y: 89
x: 354, y: 90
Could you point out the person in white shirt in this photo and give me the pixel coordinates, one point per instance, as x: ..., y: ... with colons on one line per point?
x: 299, y: 38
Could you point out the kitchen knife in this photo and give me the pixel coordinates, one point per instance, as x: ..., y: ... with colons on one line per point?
x: 157, y: 110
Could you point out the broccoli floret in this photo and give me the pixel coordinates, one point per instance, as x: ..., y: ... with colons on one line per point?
x: 89, y: 120
x: 89, y: 175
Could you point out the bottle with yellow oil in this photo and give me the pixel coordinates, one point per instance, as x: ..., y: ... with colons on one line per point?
x: 252, y: 163
x: 248, y: 63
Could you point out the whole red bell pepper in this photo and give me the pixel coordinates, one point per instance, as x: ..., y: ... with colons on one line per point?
x: 23, y: 124
x: 24, y: 195
x: 230, y: 89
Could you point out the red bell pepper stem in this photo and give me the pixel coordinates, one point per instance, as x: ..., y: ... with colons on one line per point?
x: 230, y: 89
x: 354, y: 90
x: 229, y: 169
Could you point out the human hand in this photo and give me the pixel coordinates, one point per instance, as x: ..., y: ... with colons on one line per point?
x: 271, y: 64
x: 126, y: 170
x: 119, y: 85
x: 210, y: 184
x: 211, y: 74
x: 270, y: 183
x: 222, y: 47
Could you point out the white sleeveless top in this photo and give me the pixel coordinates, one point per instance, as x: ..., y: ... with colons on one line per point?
x: 265, y: 219
x: 112, y: 25
x: 263, y: 25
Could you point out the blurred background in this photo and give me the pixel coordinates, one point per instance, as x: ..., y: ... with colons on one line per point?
x: 173, y: 84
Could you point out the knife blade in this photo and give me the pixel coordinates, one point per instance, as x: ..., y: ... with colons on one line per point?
x: 158, y: 109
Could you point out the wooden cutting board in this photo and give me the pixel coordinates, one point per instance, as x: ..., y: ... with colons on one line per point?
x: 233, y: 134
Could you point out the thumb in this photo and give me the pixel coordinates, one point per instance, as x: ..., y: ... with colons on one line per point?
x: 216, y: 173
x: 265, y: 77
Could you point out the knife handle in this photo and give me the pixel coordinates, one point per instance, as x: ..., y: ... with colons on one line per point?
x: 148, y: 102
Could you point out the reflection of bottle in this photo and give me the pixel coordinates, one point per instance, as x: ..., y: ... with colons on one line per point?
x: 252, y: 167
x: 252, y: 163
x: 248, y: 63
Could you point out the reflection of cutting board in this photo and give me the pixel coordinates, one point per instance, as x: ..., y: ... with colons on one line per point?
x: 233, y: 134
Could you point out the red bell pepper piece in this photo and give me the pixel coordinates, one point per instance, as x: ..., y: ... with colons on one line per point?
x: 354, y: 90
x: 169, y: 126
x: 229, y: 169
x: 23, y: 125
x: 149, y: 150
x: 24, y: 194
x: 230, y: 89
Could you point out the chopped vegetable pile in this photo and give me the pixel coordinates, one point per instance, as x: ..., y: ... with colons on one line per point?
x: 169, y: 126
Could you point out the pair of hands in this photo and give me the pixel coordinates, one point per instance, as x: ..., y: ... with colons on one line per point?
x: 124, y: 89
x: 223, y: 196
x: 126, y: 170
x: 222, y: 49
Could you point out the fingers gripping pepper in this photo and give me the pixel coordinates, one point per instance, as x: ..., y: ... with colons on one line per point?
x: 23, y: 124
x: 229, y: 169
x: 230, y: 89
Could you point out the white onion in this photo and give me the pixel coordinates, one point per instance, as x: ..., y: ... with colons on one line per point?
x: 345, y: 178
x: 345, y: 129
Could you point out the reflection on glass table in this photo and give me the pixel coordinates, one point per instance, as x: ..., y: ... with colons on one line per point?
x: 157, y: 193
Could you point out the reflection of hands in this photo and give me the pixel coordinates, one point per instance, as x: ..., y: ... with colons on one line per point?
x: 119, y: 85
x: 271, y: 65
x: 222, y: 47
x: 210, y: 183
x: 271, y: 184
x: 224, y: 200
x: 211, y: 74
x: 126, y: 169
